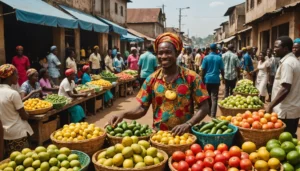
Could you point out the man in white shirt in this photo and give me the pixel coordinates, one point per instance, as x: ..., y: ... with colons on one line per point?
x: 286, y: 88
x: 12, y: 114
x: 95, y: 60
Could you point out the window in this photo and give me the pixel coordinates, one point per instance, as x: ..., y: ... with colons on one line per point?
x: 251, y: 4
x: 99, y: 6
x: 122, y: 11
x: 116, y: 8
x: 258, y: 2
x: 247, y: 5
x: 232, y: 19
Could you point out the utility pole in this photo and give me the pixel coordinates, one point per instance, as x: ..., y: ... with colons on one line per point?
x: 163, y: 11
x: 180, y: 16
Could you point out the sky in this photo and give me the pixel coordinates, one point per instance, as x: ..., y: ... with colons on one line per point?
x: 201, y: 19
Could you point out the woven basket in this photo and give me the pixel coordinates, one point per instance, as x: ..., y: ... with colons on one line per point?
x: 113, y: 140
x: 245, y: 94
x: 170, y: 165
x: 259, y: 137
x: 233, y: 112
x: 110, y: 79
x: 83, y: 158
x: 159, y: 167
x: 170, y: 149
x: 107, y: 88
x: 39, y: 111
x: 89, y: 146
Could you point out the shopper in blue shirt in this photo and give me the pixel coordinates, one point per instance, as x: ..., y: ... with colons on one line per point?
x: 147, y: 64
x: 248, y: 65
x: 212, y: 67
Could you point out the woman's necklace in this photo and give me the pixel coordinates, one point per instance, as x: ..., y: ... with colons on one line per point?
x: 170, y: 94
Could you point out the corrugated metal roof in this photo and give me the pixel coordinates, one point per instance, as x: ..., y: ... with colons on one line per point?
x: 143, y: 15
x: 244, y: 30
x: 140, y: 34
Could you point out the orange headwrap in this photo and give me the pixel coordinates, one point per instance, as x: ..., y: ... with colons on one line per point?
x: 31, y: 71
x: 171, y: 38
x: 19, y: 48
x: 69, y: 72
x: 85, y: 68
x: 6, y: 70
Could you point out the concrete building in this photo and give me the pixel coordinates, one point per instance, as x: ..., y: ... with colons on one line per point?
x: 37, y: 36
x: 224, y: 30
x: 239, y: 34
x: 218, y: 34
x: 271, y: 19
x: 148, y: 21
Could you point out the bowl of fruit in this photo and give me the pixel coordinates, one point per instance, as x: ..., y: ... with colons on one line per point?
x: 257, y: 127
x: 239, y: 104
x: 80, y: 136
x: 130, y: 154
x: 37, y: 106
x: 123, y: 129
x: 50, y: 158
x: 246, y: 90
x: 166, y: 141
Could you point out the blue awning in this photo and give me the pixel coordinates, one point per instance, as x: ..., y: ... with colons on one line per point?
x: 114, y: 27
x: 39, y: 12
x: 131, y: 38
x: 87, y: 21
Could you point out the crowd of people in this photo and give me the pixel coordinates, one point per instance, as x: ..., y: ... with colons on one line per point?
x: 174, y: 80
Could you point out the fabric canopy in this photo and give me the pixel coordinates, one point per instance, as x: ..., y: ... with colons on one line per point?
x: 131, y: 38
x: 39, y: 12
x: 228, y: 39
x: 114, y: 27
x: 87, y: 21
x: 140, y: 34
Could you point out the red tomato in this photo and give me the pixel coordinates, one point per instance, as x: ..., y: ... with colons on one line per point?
x: 178, y: 156
x: 190, y: 160
x: 220, y: 158
x: 222, y: 147
x: 175, y: 165
x: 246, y: 164
x: 189, y: 153
x: 219, y: 166
x: 246, y: 125
x: 196, y: 148
x: 200, y: 156
x: 209, y: 147
x: 207, y: 169
x: 235, y: 151
x: 197, y: 167
x: 226, y: 154
x: 210, y: 153
x: 217, y: 152
x: 199, y: 162
x: 183, y: 166
x: 234, y: 162
x: 209, y: 162
x: 244, y: 155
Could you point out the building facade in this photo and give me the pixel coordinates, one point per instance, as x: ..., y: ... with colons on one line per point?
x: 148, y: 21
x: 271, y: 19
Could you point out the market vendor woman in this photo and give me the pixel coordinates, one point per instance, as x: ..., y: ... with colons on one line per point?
x: 31, y: 88
x: 13, y: 117
x: 67, y: 89
x: 172, y: 91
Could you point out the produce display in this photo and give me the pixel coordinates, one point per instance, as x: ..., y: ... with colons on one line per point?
x: 131, y: 153
x: 284, y: 150
x: 82, y: 88
x: 101, y: 82
x: 124, y: 129
x: 36, y: 104
x: 96, y: 77
x: 131, y: 72
x: 245, y: 81
x: 208, y: 159
x: 255, y: 120
x: 55, y: 98
x: 77, y: 132
x: 124, y: 76
x: 216, y: 126
x: 42, y: 159
x: 165, y: 137
x: 107, y: 74
x: 246, y: 89
x: 240, y: 102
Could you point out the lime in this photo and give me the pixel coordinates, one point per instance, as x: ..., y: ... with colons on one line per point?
x: 288, y: 167
x: 293, y: 157
x: 278, y: 153
x: 285, y: 136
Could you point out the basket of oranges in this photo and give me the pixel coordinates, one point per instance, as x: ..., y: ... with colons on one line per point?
x: 37, y: 106
x: 80, y: 136
x: 169, y: 143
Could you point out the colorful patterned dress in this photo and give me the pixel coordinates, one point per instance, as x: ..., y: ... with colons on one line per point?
x: 170, y: 113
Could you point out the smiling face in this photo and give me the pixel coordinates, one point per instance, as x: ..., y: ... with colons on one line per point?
x: 167, y: 55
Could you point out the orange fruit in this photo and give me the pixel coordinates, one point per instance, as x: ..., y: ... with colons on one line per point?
x: 254, y: 157
x: 263, y: 120
x: 268, y: 116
